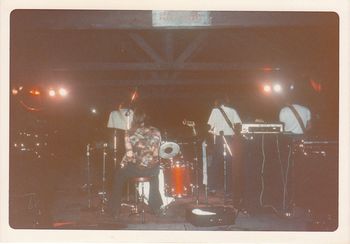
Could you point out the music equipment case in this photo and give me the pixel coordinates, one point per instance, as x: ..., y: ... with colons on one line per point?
x: 224, y: 215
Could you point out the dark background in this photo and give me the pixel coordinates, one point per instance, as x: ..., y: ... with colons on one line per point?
x: 101, y: 57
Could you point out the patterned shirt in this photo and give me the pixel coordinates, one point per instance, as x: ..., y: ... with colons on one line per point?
x: 142, y: 147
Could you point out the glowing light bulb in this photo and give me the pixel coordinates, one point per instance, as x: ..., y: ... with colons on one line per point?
x: 14, y: 91
x: 63, y: 92
x: 267, y: 88
x: 277, y: 88
x: 52, y: 93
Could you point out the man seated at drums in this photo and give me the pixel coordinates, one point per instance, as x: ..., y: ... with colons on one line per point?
x: 141, y: 159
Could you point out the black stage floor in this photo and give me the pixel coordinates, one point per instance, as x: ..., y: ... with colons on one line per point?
x: 70, y: 210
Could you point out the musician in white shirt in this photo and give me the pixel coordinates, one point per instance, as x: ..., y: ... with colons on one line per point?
x: 120, y: 120
x: 218, y: 127
x: 290, y: 121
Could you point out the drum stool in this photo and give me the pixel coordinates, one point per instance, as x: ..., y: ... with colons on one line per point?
x: 140, y: 182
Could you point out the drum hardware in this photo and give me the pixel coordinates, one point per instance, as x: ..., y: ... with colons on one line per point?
x: 169, y: 150
x: 194, y: 132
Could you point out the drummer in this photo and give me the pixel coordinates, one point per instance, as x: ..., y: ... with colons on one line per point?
x: 142, y: 144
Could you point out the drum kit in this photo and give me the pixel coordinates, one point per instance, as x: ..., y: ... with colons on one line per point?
x: 176, y: 176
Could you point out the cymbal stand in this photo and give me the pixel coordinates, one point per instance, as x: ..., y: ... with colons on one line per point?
x: 103, y: 192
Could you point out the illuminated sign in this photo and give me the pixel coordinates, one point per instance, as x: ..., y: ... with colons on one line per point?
x: 165, y: 18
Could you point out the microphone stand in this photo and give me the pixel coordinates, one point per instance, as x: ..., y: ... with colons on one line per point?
x: 226, y: 148
x: 103, y: 193
x: 192, y: 125
x: 115, y: 149
x: 204, y: 159
x: 196, y: 163
x: 89, y: 205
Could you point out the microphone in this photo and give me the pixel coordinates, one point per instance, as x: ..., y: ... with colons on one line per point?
x: 134, y: 95
x: 188, y: 123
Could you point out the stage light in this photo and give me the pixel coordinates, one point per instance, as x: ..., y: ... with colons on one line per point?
x: 34, y: 92
x: 277, y: 88
x: 291, y: 87
x: 52, y: 93
x: 267, y: 88
x: 14, y: 91
x: 63, y: 92
x: 94, y: 111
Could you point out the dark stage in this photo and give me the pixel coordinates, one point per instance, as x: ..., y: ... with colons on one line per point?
x: 70, y: 69
x: 70, y: 205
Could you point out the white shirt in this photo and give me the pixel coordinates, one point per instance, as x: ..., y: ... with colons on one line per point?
x: 118, y: 119
x: 291, y: 123
x: 218, y: 123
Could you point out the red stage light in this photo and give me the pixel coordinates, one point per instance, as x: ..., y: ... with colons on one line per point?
x: 316, y: 85
x: 267, y: 69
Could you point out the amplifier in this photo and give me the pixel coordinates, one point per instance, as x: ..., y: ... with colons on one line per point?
x: 262, y: 128
x: 316, y: 147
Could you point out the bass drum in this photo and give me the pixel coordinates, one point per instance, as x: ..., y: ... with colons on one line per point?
x: 178, y: 179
